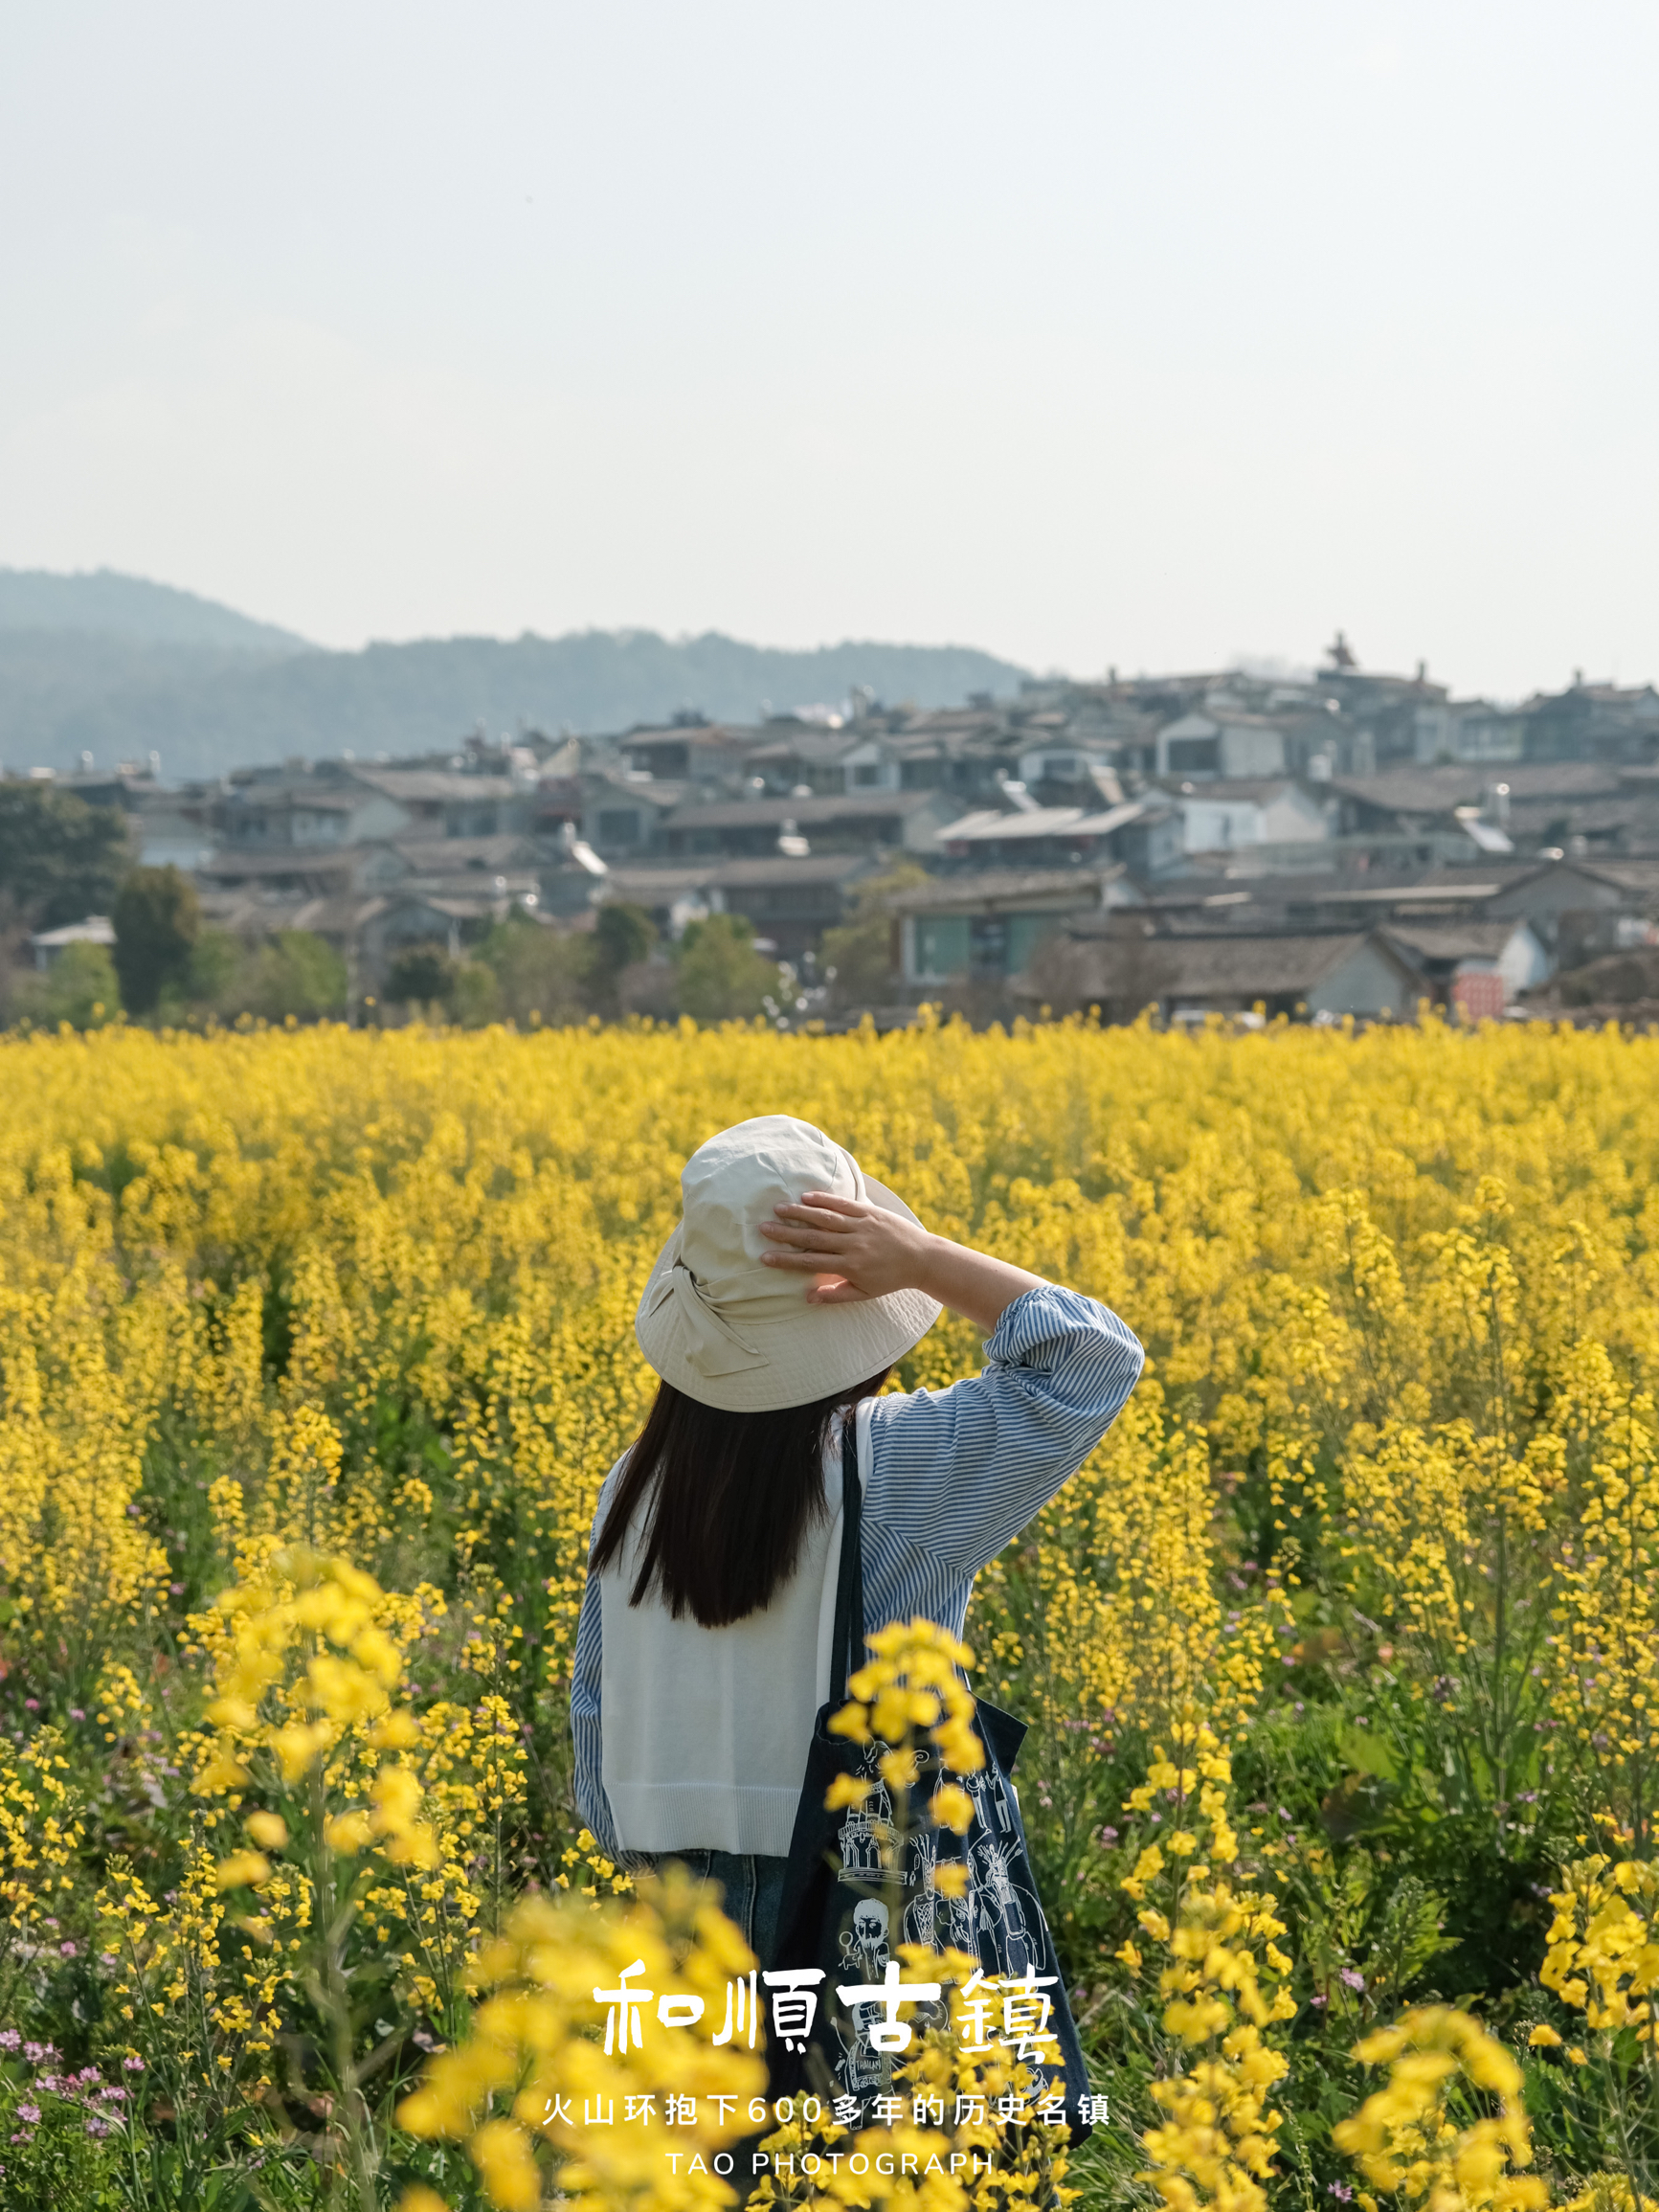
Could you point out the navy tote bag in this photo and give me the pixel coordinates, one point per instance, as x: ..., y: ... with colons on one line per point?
x: 845, y: 1913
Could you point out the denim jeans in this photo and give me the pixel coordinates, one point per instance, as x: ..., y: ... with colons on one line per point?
x: 752, y: 1888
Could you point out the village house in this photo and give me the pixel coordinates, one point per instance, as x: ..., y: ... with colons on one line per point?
x: 342, y: 803
x: 1593, y: 722
x: 989, y: 924
x: 706, y: 756
x: 1140, y: 834
x: 1227, y: 813
x: 790, y: 902
x: 48, y: 946
x: 1479, y: 967
x: 291, y: 871
x: 1231, y: 742
x: 1531, y: 805
x: 1111, y: 963
x: 801, y: 759
x: 620, y: 816
x: 1467, y: 729
x: 900, y: 820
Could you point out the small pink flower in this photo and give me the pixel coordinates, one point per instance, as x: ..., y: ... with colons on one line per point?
x: 28, y: 2112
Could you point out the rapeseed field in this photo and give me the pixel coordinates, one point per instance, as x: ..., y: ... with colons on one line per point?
x: 1342, y: 1655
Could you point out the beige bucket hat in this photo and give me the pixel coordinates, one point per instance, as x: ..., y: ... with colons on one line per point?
x: 733, y: 1334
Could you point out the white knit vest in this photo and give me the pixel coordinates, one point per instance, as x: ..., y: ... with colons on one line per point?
x: 705, y: 1731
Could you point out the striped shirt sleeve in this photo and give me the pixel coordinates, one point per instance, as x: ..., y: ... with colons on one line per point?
x: 955, y: 1474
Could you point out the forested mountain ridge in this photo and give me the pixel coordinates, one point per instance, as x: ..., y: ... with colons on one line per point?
x: 106, y: 603
x: 206, y: 703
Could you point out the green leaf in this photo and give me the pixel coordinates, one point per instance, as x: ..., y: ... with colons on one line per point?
x: 1370, y: 1754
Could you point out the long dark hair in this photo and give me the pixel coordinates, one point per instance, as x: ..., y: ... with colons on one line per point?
x: 729, y: 1499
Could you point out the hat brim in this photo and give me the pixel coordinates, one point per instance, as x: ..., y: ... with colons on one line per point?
x: 814, y: 1353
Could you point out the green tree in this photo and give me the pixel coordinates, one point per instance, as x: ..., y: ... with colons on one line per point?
x: 623, y: 936
x: 474, y: 995
x: 157, y: 920
x: 80, y: 987
x: 420, y: 976
x: 217, y: 958
x: 541, y: 972
x: 721, y: 975
x: 860, y: 952
x: 60, y: 859
x: 295, y: 972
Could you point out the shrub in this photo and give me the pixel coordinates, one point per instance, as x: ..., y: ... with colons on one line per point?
x: 157, y: 918
x: 860, y: 952
x: 721, y: 975
x: 292, y: 974
x: 420, y: 976
x: 80, y: 987
x: 541, y: 972
x: 60, y: 858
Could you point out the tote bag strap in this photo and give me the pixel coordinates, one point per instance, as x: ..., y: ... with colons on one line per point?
x: 847, y: 1637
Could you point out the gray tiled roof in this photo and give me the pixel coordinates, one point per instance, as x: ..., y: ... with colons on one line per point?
x: 993, y: 887
x: 428, y: 786
x: 768, y: 813
x: 1263, y: 967
x: 1453, y: 940
x: 649, y: 882
x: 1437, y: 790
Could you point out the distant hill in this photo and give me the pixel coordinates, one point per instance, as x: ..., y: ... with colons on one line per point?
x: 111, y: 606
x: 206, y: 704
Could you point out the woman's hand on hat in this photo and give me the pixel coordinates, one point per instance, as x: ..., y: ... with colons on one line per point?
x: 867, y: 1252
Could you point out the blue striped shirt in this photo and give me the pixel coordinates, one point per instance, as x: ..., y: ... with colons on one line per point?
x: 950, y: 1477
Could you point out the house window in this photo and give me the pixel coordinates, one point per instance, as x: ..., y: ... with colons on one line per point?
x: 1026, y: 933
x: 619, y: 825
x: 867, y: 773
x: 662, y: 759
x: 988, y: 945
x: 941, y: 945
x: 1195, y: 756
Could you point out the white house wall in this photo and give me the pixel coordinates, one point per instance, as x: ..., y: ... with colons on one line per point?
x: 1523, y: 963
x: 1365, y: 982
x: 375, y: 818
x: 857, y: 765
x: 1293, y: 817
x: 1220, y: 825
x: 921, y: 827
x: 1225, y: 824
x: 1250, y: 751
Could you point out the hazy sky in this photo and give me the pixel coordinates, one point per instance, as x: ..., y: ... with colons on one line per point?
x: 1089, y: 334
